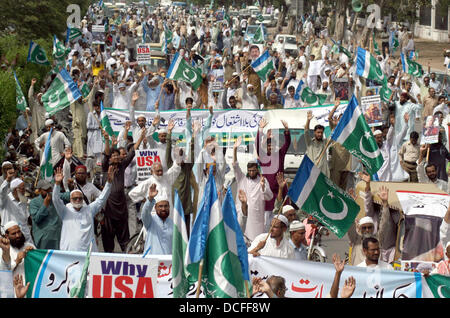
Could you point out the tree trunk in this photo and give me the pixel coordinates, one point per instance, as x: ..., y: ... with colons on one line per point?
x: 291, y: 25
x: 283, y: 15
x: 341, y: 20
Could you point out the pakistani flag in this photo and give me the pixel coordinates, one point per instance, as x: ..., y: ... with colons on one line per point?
x: 375, y: 45
x: 263, y: 65
x: 104, y: 119
x: 354, y: 134
x: 85, y: 90
x: 367, y: 66
x: 317, y: 195
x: 212, y: 244
x: 181, y: 70
x: 411, y: 67
x: 393, y: 41
x: 79, y: 290
x: 179, y: 245
x: 385, y: 93
x: 72, y: 34
x: 46, y: 165
x: 37, y: 55
x: 21, y: 102
x: 59, y: 50
x: 311, y: 98
x: 259, y: 17
x: 168, y: 34
x: 62, y: 92
x: 227, y: 18
x: 259, y: 36
x: 436, y: 286
x: 341, y: 49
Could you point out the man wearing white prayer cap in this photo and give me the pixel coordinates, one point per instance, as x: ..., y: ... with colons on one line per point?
x: 297, y: 233
x: 6, y: 165
x: 13, y: 203
x: 362, y: 228
x: 289, y: 212
x: 276, y: 245
x: 159, y: 226
x: 19, y: 247
x: 58, y: 143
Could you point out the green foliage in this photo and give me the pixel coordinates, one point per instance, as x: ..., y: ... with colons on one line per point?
x: 10, y: 47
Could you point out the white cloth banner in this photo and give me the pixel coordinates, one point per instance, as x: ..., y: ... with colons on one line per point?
x: 422, y: 203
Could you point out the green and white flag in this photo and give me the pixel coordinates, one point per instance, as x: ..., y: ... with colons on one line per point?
x: 168, y: 34
x: 311, y: 98
x: 85, y: 90
x: 104, y: 120
x: 259, y: 17
x: 259, y: 36
x: 385, y: 93
x: 37, y: 55
x: 62, y: 92
x: 227, y: 18
x: 181, y: 70
x: 72, y: 34
x: 21, y: 102
x: 436, y: 286
x: 211, y: 245
x: 318, y: 196
x: 79, y: 290
x: 59, y: 50
x: 263, y: 65
x: 375, y: 45
x: 179, y: 244
x: 367, y: 66
x: 411, y: 67
x: 354, y: 134
x: 46, y: 165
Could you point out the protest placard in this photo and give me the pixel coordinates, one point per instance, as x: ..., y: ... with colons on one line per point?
x: 98, y: 34
x: 144, y: 162
x: 430, y: 132
x: 143, y: 55
x: 116, y: 277
x: 371, y: 107
x: 341, y: 88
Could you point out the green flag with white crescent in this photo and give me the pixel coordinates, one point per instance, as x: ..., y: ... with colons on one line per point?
x: 36, y: 54
x: 436, y: 286
x: 375, y: 45
x: 311, y: 98
x: 21, y: 102
x: 410, y: 66
x: 168, y: 34
x: 59, y: 50
x: 72, y: 34
x: 85, y: 90
x: 258, y: 38
x: 181, y: 70
x: 263, y: 65
x: 104, y: 120
x: 179, y: 244
x: 79, y: 290
x: 354, y: 134
x: 318, y: 196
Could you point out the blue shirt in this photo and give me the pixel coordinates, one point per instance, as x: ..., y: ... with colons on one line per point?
x: 299, y: 252
x: 152, y: 93
x: 159, y: 232
x: 167, y: 101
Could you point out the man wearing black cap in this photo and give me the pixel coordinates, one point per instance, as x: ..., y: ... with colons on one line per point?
x: 46, y: 225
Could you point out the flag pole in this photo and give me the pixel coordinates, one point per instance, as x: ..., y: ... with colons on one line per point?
x: 239, y: 74
x: 246, y: 287
x: 199, y: 282
x: 323, y: 151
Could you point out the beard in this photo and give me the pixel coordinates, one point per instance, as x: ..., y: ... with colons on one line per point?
x: 157, y: 178
x: 77, y: 205
x: 22, y: 197
x: 18, y: 242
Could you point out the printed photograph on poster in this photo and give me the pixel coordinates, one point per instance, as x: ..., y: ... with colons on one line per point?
x: 371, y: 107
x: 372, y: 90
x: 217, y: 78
x: 430, y: 132
x: 144, y: 162
x: 341, y: 88
x: 415, y: 266
x: 98, y: 34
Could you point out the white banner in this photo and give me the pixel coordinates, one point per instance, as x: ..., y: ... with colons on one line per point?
x: 144, y: 161
x: 143, y: 55
x: 422, y: 203
x: 120, y: 277
x: 315, y: 67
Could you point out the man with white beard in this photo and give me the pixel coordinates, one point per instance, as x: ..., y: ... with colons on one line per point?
x: 77, y: 217
x: 163, y: 181
x: 13, y: 203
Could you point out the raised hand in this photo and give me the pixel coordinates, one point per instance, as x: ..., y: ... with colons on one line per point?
x: 285, y: 125
x: 19, y: 288
x: 33, y: 81
x: 10, y: 174
x: 309, y: 115
x: 171, y: 126
x: 364, y: 176
x: 338, y: 264
x: 152, y: 192
x: 281, y: 180
x: 263, y: 123
x: 348, y: 288
x: 238, y: 142
x: 383, y: 193
x: 262, y: 181
x: 156, y: 121
x: 5, y: 245
x: 242, y: 196
x: 59, y: 176
x: 135, y: 97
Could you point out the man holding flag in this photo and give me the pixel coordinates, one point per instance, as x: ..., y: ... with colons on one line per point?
x: 57, y: 145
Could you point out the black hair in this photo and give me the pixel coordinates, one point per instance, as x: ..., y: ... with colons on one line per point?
x: 319, y: 127
x: 414, y: 135
x: 367, y: 240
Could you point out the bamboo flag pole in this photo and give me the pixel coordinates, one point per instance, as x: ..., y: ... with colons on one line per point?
x: 199, y: 282
x: 239, y: 74
x: 323, y: 152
